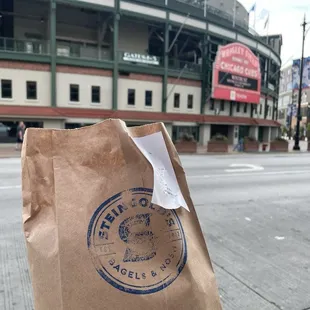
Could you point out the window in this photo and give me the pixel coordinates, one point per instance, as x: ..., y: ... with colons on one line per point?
x: 95, y: 94
x: 245, y: 108
x: 131, y: 96
x: 148, y: 98
x: 238, y: 107
x: 211, y: 105
x: 222, y: 105
x: 6, y: 89
x: 231, y: 112
x: 63, y: 51
x: 74, y: 93
x: 176, y: 101
x: 178, y: 132
x: 190, y: 99
x: 31, y: 88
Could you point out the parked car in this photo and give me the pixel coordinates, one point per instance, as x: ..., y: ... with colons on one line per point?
x: 4, y: 130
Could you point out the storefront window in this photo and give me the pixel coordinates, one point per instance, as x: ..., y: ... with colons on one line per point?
x: 75, y: 125
x: 179, y: 131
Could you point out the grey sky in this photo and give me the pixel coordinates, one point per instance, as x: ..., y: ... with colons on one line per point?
x: 286, y: 17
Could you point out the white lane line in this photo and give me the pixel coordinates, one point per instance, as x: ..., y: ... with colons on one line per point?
x: 244, y: 168
x: 9, y: 187
x: 279, y: 238
x: 207, y: 176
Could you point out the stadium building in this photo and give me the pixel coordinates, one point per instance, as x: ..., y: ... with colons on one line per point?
x: 71, y: 63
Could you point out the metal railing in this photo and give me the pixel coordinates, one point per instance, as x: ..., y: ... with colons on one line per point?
x: 176, y: 64
x: 92, y: 52
x: 82, y: 50
x: 215, y: 11
x: 223, y: 15
x: 156, y: 61
x: 228, y: 17
x: 63, y: 48
x: 24, y: 46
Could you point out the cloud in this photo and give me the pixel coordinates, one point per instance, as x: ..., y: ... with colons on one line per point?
x: 303, y: 8
x: 286, y: 17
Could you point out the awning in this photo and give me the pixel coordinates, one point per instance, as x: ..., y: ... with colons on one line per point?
x: 63, y: 113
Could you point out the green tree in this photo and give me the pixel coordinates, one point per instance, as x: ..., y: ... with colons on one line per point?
x: 284, y: 130
x: 308, y: 131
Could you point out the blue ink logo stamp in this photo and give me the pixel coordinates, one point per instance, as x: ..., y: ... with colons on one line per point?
x: 135, y: 246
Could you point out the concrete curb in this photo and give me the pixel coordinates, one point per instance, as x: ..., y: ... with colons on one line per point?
x: 246, y: 153
x: 9, y: 152
x: 9, y: 156
x: 18, y: 155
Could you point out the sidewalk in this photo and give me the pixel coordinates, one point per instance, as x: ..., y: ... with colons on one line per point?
x: 303, y: 146
x: 8, y: 151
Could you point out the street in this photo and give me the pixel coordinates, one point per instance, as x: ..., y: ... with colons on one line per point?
x: 253, y: 209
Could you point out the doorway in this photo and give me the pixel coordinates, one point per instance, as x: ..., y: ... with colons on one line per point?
x: 244, y: 131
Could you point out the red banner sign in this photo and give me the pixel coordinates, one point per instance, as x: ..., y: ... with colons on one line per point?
x: 236, y: 74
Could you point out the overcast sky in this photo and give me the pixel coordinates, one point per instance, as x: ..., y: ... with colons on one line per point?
x: 286, y: 17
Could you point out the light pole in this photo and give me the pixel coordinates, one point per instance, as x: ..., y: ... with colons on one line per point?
x: 297, y: 136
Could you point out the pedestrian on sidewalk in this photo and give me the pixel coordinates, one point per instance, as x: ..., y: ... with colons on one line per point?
x: 20, y: 135
x: 239, y: 146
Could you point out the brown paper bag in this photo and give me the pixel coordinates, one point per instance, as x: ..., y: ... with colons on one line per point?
x: 94, y: 239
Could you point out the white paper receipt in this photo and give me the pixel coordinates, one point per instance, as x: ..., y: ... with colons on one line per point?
x: 166, y: 192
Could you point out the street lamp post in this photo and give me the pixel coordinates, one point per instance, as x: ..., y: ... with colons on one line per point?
x: 297, y: 136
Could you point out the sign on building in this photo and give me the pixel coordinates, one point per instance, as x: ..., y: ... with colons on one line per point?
x: 140, y: 58
x: 236, y: 74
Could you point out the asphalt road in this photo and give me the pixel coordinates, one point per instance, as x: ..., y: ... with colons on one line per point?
x: 254, y: 211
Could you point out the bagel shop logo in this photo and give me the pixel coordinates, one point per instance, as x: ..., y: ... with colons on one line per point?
x: 140, y: 58
x: 136, y: 246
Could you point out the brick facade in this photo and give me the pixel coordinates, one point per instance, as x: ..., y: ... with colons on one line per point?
x: 19, y: 65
